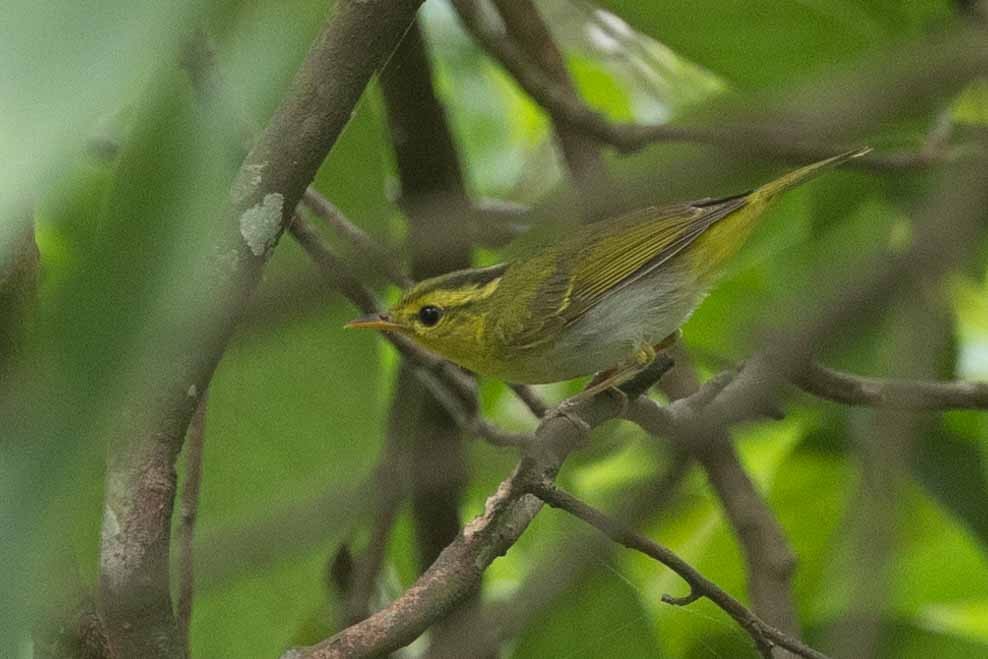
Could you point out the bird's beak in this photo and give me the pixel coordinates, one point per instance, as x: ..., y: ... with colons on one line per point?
x: 378, y: 321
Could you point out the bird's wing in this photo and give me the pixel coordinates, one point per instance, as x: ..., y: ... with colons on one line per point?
x: 596, y: 260
x: 616, y: 256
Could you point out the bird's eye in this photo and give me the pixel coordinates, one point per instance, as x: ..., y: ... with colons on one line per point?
x: 430, y: 315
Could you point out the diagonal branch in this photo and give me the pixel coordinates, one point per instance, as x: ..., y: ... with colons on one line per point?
x: 147, y: 436
x: 764, y: 635
x: 770, y: 137
x: 770, y: 563
x: 457, y: 571
x: 333, y: 216
x: 527, y: 28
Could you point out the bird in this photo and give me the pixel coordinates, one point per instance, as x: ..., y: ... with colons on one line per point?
x: 604, y: 299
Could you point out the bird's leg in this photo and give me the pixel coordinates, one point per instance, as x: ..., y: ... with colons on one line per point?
x: 668, y: 342
x: 601, y: 376
x: 609, y: 380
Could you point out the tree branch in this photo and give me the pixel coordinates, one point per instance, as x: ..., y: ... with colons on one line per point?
x: 763, y: 634
x: 772, y: 138
x: 562, y: 567
x: 457, y: 571
x: 527, y: 28
x: 333, y: 216
x: 428, y: 169
x: 146, y: 439
x: 891, y: 393
x: 770, y: 563
x: 187, y: 519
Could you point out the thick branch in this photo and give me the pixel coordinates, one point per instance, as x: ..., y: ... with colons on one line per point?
x: 146, y: 439
x: 457, y: 571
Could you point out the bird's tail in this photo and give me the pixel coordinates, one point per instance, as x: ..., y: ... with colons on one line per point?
x: 724, y: 238
x: 766, y: 192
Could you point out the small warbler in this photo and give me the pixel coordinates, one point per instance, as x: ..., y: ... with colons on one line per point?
x: 602, y: 300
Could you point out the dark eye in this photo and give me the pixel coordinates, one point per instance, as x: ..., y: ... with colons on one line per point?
x: 430, y: 315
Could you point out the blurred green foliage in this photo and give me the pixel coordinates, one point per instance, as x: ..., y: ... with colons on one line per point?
x: 299, y: 407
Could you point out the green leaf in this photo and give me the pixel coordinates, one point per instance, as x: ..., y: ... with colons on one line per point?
x: 604, y: 616
x: 955, y: 472
x: 758, y: 43
x: 69, y: 66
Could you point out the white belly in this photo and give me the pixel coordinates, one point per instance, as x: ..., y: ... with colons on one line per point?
x: 611, y: 332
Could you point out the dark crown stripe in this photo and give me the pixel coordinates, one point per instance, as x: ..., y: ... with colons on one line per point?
x: 461, y: 279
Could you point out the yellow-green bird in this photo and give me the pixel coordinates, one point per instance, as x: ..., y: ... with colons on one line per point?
x: 603, y: 299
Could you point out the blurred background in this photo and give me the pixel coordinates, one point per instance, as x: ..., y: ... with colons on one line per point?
x: 123, y: 125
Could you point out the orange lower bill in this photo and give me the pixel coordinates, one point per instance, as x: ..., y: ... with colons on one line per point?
x: 378, y: 321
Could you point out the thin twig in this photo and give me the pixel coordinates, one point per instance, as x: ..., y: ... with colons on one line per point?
x: 460, y: 396
x: 564, y: 566
x: 563, y: 103
x: 188, y: 513
x: 770, y: 562
x: 531, y: 399
x: 456, y: 572
x: 334, y: 217
x: 764, y: 635
x: 332, y: 267
x: 468, y: 419
x: 389, y: 489
x: 850, y: 389
x: 527, y: 28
